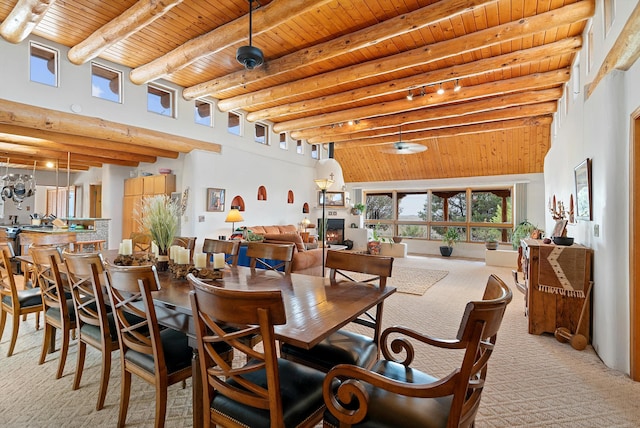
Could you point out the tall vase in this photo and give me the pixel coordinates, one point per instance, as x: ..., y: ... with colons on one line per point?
x: 162, y: 262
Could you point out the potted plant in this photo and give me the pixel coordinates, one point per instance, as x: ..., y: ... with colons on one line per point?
x: 491, y: 243
x: 358, y: 209
x: 450, y: 237
x: 159, y: 215
x: 522, y: 231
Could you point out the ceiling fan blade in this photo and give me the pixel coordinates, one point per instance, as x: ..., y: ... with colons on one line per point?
x: 405, y: 148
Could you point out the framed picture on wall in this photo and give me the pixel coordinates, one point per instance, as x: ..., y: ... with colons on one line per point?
x: 584, y: 210
x: 215, y: 199
x: 334, y: 199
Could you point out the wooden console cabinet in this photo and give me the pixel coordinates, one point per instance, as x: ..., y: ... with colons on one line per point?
x: 134, y: 190
x: 549, y: 305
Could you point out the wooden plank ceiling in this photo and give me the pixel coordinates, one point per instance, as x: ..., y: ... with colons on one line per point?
x: 335, y: 71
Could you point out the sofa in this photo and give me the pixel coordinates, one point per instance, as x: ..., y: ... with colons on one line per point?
x: 307, y: 257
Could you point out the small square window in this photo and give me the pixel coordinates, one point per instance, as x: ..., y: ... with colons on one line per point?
x: 106, y: 83
x: 283, y: 141
x: 299, y: 147
x: 202, y: 113
x: 233, y: 124
x: 43, y: 65
x: 160, y: 100
x: 261, y: 134
x: 314, y: 151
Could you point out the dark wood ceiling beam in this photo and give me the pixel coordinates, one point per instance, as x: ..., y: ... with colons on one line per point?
x: 414, y: 137
x: 565, y: 15
x: 501, y: 87
x: 23, y: 18
x: 43, y: 154
x: 459, y: 71
x: 134, y: 19
x: 364, y: 38
x: 519, y: 112
x: 624, y: 52
x: 483, y: 105
x: 264, y: 19
x: 13, y: 113
x: 16, y: 135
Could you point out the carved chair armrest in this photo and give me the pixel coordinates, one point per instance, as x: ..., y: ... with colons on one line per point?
x: 393, y: 347
x: 346, y: 396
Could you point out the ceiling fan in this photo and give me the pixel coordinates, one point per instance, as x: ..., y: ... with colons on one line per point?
x: 402, y: 148
x: 250, y: 56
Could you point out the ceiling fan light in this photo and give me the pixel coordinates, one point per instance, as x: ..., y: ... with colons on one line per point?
x: 250, y: 56
x: 440, y: 90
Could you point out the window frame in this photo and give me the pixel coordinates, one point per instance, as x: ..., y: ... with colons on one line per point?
x: 240, y: 123
x: 172, y: 99
x: 56, y: 57
x: 264, y: 140
x: 195, y: 112
x: 107, y: 69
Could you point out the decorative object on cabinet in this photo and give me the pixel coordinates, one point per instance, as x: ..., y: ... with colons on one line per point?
x: 584, y: 209
x: 215, y: 199
x: 560, y: 229
x: 262, y: 193
x: 232, y: 217
x: 333, y: 199
x: 557, y: 287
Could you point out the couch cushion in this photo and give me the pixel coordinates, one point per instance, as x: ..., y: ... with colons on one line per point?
x: 257, y: 229
x: 288, y: 228
x: 271, y: 229
x: 286, y: 237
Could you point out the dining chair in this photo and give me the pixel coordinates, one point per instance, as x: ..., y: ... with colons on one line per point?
x: 265, y: 392
x: 343, y: 346
x: 160, y: 357
x: 13, y: 301
x: 186, y: 242
x: 393, y: 394
x: 141, y: 241
x: 231, y: 249
x: 96, y: 326
x: 57, y: 303
x: 259, y: 252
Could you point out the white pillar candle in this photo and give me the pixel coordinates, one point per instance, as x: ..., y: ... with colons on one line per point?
x: 120, y: 248
x: 184, y: 256
x: 173, y: 252
x: 127, y: 247
x: 200, y: 260
x: 218, y: 260
x: 154, y: 249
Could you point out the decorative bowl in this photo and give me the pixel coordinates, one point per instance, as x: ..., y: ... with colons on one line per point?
x: 562, y: 240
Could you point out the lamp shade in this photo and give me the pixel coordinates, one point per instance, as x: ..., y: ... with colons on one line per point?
x: 323, y: 183
x: 233, y: 216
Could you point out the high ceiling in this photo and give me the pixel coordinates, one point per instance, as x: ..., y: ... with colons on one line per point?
x: 335, y: 71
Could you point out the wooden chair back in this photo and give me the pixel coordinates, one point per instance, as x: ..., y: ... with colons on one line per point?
x: 7, y: 281
x: 260, y: 252
x: 255, y: 312
x: 186, y: 242
x: 46, y: 262
x: 141, y: 241
x: 340, y: 263
x: 231, y: 249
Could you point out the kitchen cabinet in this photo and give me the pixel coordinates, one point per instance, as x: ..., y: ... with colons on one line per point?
x: 135, y: 189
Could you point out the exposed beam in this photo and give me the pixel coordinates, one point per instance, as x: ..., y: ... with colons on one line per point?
x: 23, y: 18
x: 624, y: 52
x: 366, y: 37
x: 450, y: 132
x: 264, y: 19
x: 58, y: 154
x: 13, y: 113
x: 519, y: 112
x: 26, y: 162
x: 134, y: 19
x: 565, y: 15
x: 459, y: 71
x: 487, y: 104
x: 501, y: 87
x: 104, y: 147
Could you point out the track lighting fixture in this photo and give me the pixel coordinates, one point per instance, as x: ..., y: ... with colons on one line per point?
x: 410, y: 95
x: 440, y: 90
x: 457, y: 87
x: 422, y: 92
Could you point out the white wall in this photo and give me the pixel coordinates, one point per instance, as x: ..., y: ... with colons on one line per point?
x: 599, y: 128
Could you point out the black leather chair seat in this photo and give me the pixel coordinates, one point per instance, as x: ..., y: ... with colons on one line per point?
x: 342, y: 347
x: 300, y: 389
x: 389, y: 410
x: 94, y: 331
x: 27, y: 298
x: 55, y: 312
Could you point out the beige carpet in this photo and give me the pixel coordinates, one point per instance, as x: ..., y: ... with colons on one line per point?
x: 533, y: 381
x: 410, y: 280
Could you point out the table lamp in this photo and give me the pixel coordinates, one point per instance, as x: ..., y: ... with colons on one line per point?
x: 232, y: 217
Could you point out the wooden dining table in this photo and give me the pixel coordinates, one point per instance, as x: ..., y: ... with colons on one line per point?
x: 315, y: 307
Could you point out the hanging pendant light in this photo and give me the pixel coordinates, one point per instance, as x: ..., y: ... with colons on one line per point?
x: 250, y: 56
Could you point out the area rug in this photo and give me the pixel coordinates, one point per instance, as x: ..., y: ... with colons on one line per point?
x: 410, y: 280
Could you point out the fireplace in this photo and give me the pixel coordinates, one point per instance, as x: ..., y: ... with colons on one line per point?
x: 335, y: 230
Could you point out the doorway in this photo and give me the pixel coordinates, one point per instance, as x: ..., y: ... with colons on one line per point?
x: 634, y: 245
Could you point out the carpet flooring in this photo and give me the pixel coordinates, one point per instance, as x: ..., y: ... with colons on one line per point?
x: 533, y: 381
x: 410, y: 280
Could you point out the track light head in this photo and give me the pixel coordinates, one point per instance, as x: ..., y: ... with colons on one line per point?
x: 440, y: 90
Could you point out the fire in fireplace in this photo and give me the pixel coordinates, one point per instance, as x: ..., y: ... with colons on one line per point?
x: 335, y: 230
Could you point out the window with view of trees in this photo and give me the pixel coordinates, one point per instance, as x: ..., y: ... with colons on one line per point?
x: 478, y: 214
